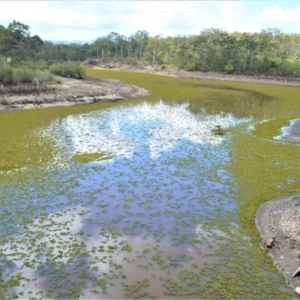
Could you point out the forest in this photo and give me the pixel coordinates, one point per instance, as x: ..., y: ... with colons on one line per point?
x: 269, y: 52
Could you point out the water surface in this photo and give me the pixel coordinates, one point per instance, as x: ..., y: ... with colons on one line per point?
x: 141, y: 198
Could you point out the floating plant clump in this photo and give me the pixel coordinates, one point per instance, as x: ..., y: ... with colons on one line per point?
x: 141, y: 199
x: 89, y: 157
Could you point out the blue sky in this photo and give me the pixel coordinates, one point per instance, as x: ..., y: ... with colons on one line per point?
x: 87, y: 20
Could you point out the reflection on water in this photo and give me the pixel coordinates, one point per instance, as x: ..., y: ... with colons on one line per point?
x: 157, y: 219
x: 291, y: 132
x: 138, y: 128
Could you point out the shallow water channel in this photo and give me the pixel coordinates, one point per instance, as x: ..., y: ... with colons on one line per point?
x: 140, y: 198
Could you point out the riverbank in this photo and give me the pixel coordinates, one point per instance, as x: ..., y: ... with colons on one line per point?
x: 261, y: 79
x: 93, y: 90
x: 70, y: 92
x: 278, y: 223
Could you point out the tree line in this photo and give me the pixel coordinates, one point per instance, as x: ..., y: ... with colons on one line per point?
x: 268, y: 52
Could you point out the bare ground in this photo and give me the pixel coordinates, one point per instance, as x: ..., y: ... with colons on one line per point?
x: 70, y: 92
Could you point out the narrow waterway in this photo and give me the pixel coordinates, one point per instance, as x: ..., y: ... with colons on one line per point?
x: 142, y: 199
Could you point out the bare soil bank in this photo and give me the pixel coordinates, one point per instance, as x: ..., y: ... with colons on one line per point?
x: 279, y: 219
x: 70, y: 92
x: 272, y: 80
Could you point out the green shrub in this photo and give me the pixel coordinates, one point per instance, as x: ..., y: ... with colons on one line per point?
x: 6, y: 74
x: 193, y: 66
x: 2, y: 60
x: 45, y: 76
x: 229, y: 68
x: 9, y: 75
x: 69, y: 69
x: 22, y: 75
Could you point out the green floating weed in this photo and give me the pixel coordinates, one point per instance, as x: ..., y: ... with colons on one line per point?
x: 90, y: 157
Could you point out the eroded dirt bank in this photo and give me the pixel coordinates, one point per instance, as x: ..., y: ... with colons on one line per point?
x: 70, y: 92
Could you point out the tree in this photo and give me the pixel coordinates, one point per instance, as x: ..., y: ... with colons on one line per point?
x: 141, y: 39
x: 19, y: 30
x: 155, y: 44
x: 36, y: 43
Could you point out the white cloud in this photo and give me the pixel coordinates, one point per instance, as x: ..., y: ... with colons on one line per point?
x: 280, y: 15
x: 86, y: 20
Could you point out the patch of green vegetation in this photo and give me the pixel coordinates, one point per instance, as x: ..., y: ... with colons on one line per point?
x: 22, y: 75
x: 90, y: 157
x: 269, y: 129
x: 69, y: 69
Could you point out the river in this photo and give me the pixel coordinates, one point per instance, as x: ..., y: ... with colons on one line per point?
x: 141, y: 198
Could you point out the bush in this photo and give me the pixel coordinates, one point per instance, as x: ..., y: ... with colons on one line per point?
x: 68, y: 69
x: 23, y: 75
x: 9, y: 75
x: 229, y: 68
x: 193, y: 66
x: 2, y: 60
x: 44, y: 76
x: 6, y: 74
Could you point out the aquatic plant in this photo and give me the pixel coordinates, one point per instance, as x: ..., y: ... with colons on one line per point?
x: 172, y: 195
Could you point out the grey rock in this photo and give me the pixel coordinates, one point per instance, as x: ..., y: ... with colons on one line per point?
x: 269, y: 242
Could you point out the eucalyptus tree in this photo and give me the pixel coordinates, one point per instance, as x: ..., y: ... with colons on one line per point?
x: 155, y: 45
x: 19, y: 30
x: 140, y: 40
x: 118, y: 43
x: 102, y: 46
x: 17, y: 43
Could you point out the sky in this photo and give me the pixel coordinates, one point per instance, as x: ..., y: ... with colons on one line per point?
x: 88, y: 20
